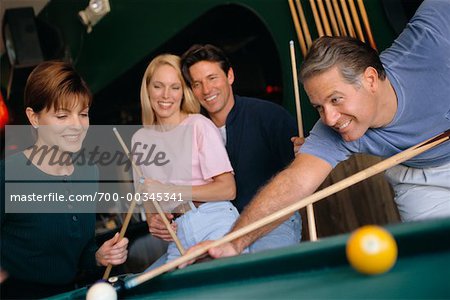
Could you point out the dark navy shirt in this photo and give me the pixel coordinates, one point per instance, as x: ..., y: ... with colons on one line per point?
x: 258, y: 144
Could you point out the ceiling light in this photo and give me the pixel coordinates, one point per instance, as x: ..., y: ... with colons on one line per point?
x: 94, y: 12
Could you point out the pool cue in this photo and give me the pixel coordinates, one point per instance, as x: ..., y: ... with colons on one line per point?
x: 366, y: 23
x: 133, y: 205
x: 356, y: 20
x: 301, y: 39
x: 309, y: 209
x: 305, y: 28
x: 323, y: 15
x: 121, y: 235
x: 338, y: 186
x: 316, y: 18
x: 348, y: 20
x: 339, y: 17
x: 155, y: 203
x: 333, y: 21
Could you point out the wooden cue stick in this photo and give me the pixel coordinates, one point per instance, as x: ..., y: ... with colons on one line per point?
x: 305, y: 27
x: 301, y: 39
x: 309, y: 208
x: 356, y: 20
x: 121, y: 235
x: 133, y: 205
x: 323, y: 15
x: 333, y: 21
x: 155, y: 203
x: 339, y: 18
x: 338, y: 186
x: 348, y: 20
x: 365, y: 19
x: 316, y: 18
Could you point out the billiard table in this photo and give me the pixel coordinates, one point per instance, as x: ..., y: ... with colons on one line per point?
x: 312, y: 270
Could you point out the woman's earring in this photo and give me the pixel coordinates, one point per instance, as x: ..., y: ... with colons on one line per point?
x: 35, y: 126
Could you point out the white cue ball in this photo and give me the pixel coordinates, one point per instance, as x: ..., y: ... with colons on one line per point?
x: 101, y: 291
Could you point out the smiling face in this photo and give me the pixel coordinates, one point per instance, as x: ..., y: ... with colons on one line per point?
x: 348, y: 109
x: 212, y: 88
x: 65, y: 128
x: 166, y: 93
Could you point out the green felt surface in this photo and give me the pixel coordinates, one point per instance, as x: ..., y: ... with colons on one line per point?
x: 313, y: 270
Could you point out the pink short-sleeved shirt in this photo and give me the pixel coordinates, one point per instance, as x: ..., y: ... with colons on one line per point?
x: 195, y: 137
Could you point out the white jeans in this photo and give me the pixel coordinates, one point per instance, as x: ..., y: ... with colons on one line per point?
x: 286, y: 234
x: 209, y: 221
x: 213, y: 220
x: 421, y: 193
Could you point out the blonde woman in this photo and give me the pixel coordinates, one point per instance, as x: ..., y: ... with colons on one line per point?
x: 170, y: 115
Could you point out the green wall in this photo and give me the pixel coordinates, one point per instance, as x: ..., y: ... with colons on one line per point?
x: 135, y: 28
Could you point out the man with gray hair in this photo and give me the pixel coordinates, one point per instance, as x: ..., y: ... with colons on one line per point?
x: 373, y: 104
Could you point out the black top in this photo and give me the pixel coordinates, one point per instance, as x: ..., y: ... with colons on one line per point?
x: 258, y: 144
x: 46, y: 248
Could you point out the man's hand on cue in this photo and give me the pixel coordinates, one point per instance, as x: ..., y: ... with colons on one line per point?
x: 297, y: 143
x: 224, y: 250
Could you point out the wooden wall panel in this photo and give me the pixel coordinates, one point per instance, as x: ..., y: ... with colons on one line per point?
x: 367, y: 202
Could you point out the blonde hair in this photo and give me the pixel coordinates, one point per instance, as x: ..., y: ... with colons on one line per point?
x: 189, y: 104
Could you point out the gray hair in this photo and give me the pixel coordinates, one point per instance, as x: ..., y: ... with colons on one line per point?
x: 350, y: 55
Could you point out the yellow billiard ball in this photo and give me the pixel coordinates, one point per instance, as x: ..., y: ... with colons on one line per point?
x: 371, y: 250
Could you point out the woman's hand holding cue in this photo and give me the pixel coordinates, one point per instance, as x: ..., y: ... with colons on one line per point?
x: 157, y: 227
x: 112, y: 251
